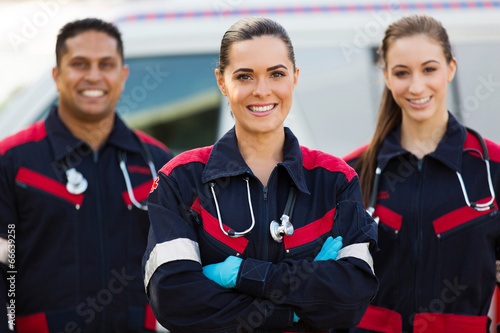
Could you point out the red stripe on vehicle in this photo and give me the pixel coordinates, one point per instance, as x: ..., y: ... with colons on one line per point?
x: 310, y: 232
x: 47, y: 184
x: 150, y: 140
x: 316, y: 159
x: 196, y: 155
x: 448, y: 323
x: 381, y: 320
x: 35, y: 132
x: 211, y: 226
x: 355, y: 153
x: 388, y: 217
x: 32, y: 323
x: 141, y: 192
x: 149, y: 318
x: 458, y: 217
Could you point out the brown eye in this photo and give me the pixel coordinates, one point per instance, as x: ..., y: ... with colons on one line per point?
x: 243, y: 77
x: 277, y: 74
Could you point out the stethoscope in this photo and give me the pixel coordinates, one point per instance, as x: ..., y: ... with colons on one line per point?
x: 278, y: 230
x: 474, y: 205
x: 77, y: 184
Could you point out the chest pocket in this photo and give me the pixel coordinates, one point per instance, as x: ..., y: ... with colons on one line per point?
x: 306, y: 242
x: 390, y: 221
x: 27, y: 178
x: 215, y: 246
x: 461, y: 220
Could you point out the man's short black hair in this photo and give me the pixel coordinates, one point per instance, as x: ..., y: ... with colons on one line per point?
x: 77, y: 27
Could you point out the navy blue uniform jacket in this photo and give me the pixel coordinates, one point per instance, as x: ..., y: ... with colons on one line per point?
x: 275, y: 279
x: 436, y: 262
x: 77, y: 263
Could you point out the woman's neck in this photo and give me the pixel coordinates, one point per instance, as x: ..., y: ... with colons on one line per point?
x: 422, y: 138
x: 262, y: 152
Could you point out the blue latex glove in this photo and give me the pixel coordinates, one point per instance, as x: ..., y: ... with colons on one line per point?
x: 295, y: 318
x: 329, y: 249
x: 224, y: 273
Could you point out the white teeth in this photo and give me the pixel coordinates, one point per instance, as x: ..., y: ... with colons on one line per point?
x: 262, y: 108
x: 420, y: 101
x: 92, y: 93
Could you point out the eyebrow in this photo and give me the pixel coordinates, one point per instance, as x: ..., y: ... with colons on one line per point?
x: 80, y: 57
x: 272, y: 68
x: 425, y: 63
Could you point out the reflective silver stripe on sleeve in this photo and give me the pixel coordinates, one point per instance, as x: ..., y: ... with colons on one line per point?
x: 4, y: 250
x: 177, y: 249
x: 358, y: 250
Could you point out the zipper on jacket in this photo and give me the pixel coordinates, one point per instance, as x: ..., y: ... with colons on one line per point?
x: 100, y: 222
x: 265, y: 230
x: 419, y: 231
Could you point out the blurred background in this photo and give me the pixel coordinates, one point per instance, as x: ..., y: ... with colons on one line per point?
x: 171, y: 47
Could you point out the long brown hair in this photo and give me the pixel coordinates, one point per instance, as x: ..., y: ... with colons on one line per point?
x: 389, y: 114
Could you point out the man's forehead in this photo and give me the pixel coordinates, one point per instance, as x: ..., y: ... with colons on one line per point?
x: 92, y: 44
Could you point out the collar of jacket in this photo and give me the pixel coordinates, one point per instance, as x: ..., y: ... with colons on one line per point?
x: 63, y: 142
x: 226, y: 161
x: 449, y: 150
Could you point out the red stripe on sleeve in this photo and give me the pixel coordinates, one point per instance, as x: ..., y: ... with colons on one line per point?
x: 388, y: 217
x: 149, y: 319
x: 35, y: 132
x: 310, y: 232
x: 317, y: 159
x: 150, y: 140
x: 190, y: 156
x: 355, y: 153
x: 47, y: 184
x: 459, y: 216
x: 472, y: 142
x: 211, y: 226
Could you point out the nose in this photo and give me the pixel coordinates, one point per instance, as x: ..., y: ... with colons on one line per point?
x: 262, y: 88
x: 417, y: 84
x: 94, y: 73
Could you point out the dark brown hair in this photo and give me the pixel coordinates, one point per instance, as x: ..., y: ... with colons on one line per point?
x: 389, y: 114
x: 77, y: 27
x: 249, y: 28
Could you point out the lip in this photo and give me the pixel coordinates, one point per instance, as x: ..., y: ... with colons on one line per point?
x: 419, y: 105
x: 262, y: 105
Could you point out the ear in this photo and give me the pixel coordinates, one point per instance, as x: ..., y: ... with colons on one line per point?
x: 452, y: 69
x: 125, y: 73
x: 295, y: 77
x: 55, y: 76
x: 220, y: 81
x: 386, y: 78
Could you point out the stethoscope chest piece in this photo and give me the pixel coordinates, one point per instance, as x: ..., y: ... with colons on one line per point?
x: 76, y: 184
x: 279, y: 230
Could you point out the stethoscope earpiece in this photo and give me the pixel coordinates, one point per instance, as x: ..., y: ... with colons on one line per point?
x: 77, y: 184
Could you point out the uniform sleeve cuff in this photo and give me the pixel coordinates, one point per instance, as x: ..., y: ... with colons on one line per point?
x: 252, y: 277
